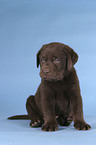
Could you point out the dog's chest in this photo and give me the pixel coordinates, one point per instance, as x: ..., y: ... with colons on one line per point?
x: 62, y: 103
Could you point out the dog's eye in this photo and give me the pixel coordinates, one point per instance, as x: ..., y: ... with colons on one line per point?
x: 43, y: 60
x: 56, y: 60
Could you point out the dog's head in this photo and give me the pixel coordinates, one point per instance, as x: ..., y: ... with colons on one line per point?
x: 55, y: 59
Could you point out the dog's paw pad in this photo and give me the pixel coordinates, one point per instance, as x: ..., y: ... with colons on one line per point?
x: 37, y: 123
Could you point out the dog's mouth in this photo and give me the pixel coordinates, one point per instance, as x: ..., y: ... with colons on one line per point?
x: 47, y: 77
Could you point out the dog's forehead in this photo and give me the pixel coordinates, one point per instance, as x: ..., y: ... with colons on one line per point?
x: 52, y: 52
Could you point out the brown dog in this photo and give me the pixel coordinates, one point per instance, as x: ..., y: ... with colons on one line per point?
x: 58, y: 99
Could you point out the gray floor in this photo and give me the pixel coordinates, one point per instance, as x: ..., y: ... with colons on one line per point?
x: 18, y: 132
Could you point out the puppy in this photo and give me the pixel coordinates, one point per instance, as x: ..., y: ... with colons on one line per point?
x: 58, y: 99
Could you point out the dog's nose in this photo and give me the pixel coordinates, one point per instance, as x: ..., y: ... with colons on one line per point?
x: 46, y: 71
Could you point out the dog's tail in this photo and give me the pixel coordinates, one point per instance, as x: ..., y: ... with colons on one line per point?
x: 22, y: 117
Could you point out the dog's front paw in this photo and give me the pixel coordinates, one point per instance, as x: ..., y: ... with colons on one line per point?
x: 80, y: 125
x: 50, y: 127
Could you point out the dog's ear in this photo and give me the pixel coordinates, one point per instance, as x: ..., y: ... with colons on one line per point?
x: 38, y: 55
x: 72, y: 56
x: 38, y: 60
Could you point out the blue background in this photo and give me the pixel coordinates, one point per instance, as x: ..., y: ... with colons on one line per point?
x: 25, y: 25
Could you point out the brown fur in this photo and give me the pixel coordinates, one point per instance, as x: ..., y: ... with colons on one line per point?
x: 58, y: 99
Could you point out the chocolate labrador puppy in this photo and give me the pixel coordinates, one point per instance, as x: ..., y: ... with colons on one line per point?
x: 58, y: 99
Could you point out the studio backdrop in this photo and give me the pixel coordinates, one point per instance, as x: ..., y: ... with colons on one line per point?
x: 25, y: 25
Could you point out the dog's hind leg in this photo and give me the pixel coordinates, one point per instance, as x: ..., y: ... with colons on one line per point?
x: 64, y: 121
x: 34, y: 113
